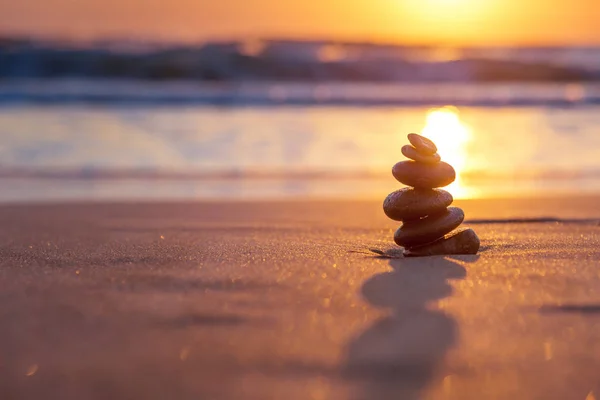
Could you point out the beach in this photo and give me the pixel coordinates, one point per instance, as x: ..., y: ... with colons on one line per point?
x: 287, y: 299
x: 202, y: 200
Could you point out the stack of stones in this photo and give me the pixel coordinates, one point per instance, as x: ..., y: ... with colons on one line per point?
x: 429, y: 225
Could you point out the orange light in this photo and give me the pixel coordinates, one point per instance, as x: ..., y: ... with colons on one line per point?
x: 451, y: 135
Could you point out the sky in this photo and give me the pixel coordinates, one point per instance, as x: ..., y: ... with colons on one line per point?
x: 448, y: 22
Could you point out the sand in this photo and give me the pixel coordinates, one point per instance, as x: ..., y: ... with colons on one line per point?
x: 274, y: 300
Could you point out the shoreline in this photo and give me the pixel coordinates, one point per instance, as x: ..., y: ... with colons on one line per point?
x: 50, y: 191
x: 564, y: 207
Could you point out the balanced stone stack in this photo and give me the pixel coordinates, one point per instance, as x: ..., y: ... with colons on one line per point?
x: 429, y: 225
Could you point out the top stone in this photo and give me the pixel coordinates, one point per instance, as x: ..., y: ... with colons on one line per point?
x: 422, y: 144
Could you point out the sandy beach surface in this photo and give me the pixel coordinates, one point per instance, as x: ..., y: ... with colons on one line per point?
x: 287, y: 300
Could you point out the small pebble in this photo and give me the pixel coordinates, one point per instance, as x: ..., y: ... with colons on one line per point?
x: 422, y: 144
x: 460, y: 241
x: 424, y: 176
x: 410, y: 152
x: 429, y: 229
x: 409, y: 203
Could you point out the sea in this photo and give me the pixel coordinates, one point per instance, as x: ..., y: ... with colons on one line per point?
x: 76, y: 138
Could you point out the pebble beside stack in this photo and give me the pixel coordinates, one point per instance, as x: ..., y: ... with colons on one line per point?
x: 429, y: 225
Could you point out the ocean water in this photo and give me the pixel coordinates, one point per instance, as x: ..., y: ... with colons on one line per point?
x: 520, y: 140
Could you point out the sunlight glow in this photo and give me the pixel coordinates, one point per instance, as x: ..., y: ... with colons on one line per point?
x: 448, y: 2
x: 457, y: 8
x: 450, y: 21
x: 451, y: 135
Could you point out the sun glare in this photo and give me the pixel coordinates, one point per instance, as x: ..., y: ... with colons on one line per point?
x: 450, y: 21
x: 451, y: 135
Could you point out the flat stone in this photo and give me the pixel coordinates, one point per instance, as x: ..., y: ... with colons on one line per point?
x: 418, y: 232
x: 459, y: 241
x: 411, y: 152
x: 424, y: 176
x: 422, y: 144
x: 409, y: 203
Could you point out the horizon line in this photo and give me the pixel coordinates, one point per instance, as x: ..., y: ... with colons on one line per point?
x: 339, y: 40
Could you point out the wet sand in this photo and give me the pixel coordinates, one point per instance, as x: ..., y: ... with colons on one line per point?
x: 264, y: 300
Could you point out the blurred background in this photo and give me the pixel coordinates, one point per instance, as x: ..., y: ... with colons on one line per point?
x: 266, y: 99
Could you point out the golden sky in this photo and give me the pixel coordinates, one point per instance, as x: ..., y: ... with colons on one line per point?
x: 402, y: 21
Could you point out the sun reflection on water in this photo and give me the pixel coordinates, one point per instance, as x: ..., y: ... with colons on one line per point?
x: 451, y: 135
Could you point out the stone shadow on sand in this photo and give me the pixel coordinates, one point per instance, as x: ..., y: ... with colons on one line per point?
x: 400, y: 355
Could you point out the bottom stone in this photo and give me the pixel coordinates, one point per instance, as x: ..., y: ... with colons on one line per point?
x: 460, y: 241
